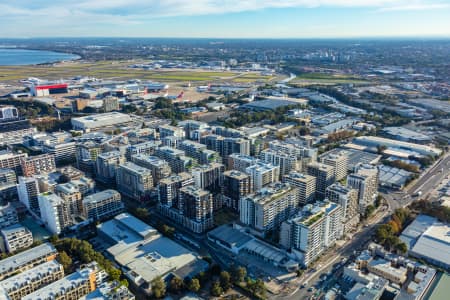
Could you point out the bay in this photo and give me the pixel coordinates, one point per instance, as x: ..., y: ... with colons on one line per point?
x: 21, y: 57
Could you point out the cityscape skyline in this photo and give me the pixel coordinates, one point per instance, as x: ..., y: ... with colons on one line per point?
x: 227, y: 19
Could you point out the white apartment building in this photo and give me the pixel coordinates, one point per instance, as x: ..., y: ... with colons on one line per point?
x: 17, y: 237
x: 306, y: 185
x: 365, y: 180
x: 263, y: 174
x: 55, y: 212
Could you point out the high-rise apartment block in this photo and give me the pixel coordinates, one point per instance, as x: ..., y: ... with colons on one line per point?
x: 196, y: 208
x: 317, y: 228
x: 9, y: 160
x: 169, y: 187
x: 324, y: 177
x: 287, y: 162
x: 38, y: 164
x: 28, y: 190
x: 176, y: 158
x: 159, y: 167
x: 55, y: 212
x: 365, y: 180
x: 199, y: 152
x: 339, y: 161
x: 240, y: 162
x: 147, y: 148
x: 209, y: 177
x: 71, y: 194
x: 347, y: 198
x: 168, y: 130
x: 102, y: 205
x: 263, y: 174
x: 134, y: 181
x: 106, y: 165
x: 236, y: 185
x: 266, y: 209
x: 306, y: 185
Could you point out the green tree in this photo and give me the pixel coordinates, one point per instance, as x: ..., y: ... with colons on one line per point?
x: 176, y: 284
x: 158, y: 287
x: 142, y: 213
x: 216, y: 289
x: 65, y: 261
x: 194, y: 285
x: 225, y: 280
x: 239, y: 274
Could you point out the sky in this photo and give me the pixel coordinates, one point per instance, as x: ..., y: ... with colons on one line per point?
x: 225, y: 19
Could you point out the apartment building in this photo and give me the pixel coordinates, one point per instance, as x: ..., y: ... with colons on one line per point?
x: 72, y: 196
x: 209, y: 177
x: 86, y: 155
x: 38, y: 164
x: 106, y: 166
x: 102, y: 205
x: 240, y: 162
x: 339, y: 161
x: 169, y: 187
x: 55, y: 212
x: 22, y: 284
x: 28, y: 190
x: 315, y: 229
x: 306, y: 185
x: 16, y: 237
x: 134, y: 181
x: 285, y: 161
x: 176, y: 158
x: 8, y: 216
x: 365, y: 180
x: 236, y: 185
x: 63, y: 152
x: 159, y: 167
x: 324, y: 177
x: 347, y: 198
x: 26, y: 260
x: 199, y: 152
x: 168, y: 130
x: 146, y: 148
x: 266, y: 209
x: 263, y: 174
x: 9, y: 160
x: 195, y: 206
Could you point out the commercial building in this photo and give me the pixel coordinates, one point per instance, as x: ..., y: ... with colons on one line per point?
x: 266, y: 209
x: 325, y: 176
x: 26, y: 260
x: 144, y: 254
x: 375, y: 141
x: 236, y: 185
x: 339, y: 161
x: 317, y: 228
x: 134, y: 181
x: 263, y: 174
x: 106, y: 166
x: 347, y: 198
x: 22, y: 284
x: 169, y: 188
x: 365, y: 180
x: 17, y: 237
x: 406, y: 135
x: 392, y: 177
x: 55, y: 212
x: 159, y: 167
x: 176, y: 158
x: 28, y: 190
x: 306, y: 185
x: 93, y: 122
x: 8, y: 216
x: 73, y: 286
x: 9, y: 160
x: 384, y: 268
x: 38, y: 164
x: 102, y: 205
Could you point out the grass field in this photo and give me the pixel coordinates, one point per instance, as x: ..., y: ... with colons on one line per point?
x: 119, y: 70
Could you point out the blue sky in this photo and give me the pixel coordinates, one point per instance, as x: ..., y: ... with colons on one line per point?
x: 225, y: 18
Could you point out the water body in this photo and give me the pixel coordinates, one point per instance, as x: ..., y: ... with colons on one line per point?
x: 21, y: 57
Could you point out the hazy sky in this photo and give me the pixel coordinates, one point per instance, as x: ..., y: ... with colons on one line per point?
x: 227, y: 18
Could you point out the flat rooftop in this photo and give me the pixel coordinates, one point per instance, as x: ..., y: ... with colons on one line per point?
x: 25, y: 257
x: 435, y: 243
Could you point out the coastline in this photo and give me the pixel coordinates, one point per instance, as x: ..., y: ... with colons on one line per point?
x: 73, y: 56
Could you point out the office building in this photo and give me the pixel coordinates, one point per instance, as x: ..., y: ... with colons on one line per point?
x: 73, y: 286
x: 146, y: 148
x: 9, y: 160
x: 159, y: 167
x: 16, y: 237
x: 324, y: 177
x: 40, y: 164
x: 106, y: 165
x: 347, y: 198
x: 134, y: 181
x: 102, y: 205
x: 169, y: 187
x: 72, y: 196
x: 168, y: 130
x: 266, y: 209
x: 55, y: 212
x: 199, y: 152
x: 339, y: 161
x: 26, y: 260
x: 22, y: 284
x: 176, y: 158
x: 365, y: 181
x: 263, y: 174
x: 28, y: 190
x: 100, y: 121
x: 306, y: 185
x: 315, y: 229
x: 196, y: 208
x: 240, y: 162
x: 8, y: 216
x: 236, y: 185
x: 286, y: 162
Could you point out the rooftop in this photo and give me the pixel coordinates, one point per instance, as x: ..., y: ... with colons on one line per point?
x: 100, y: 196
x: 25, y: 257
